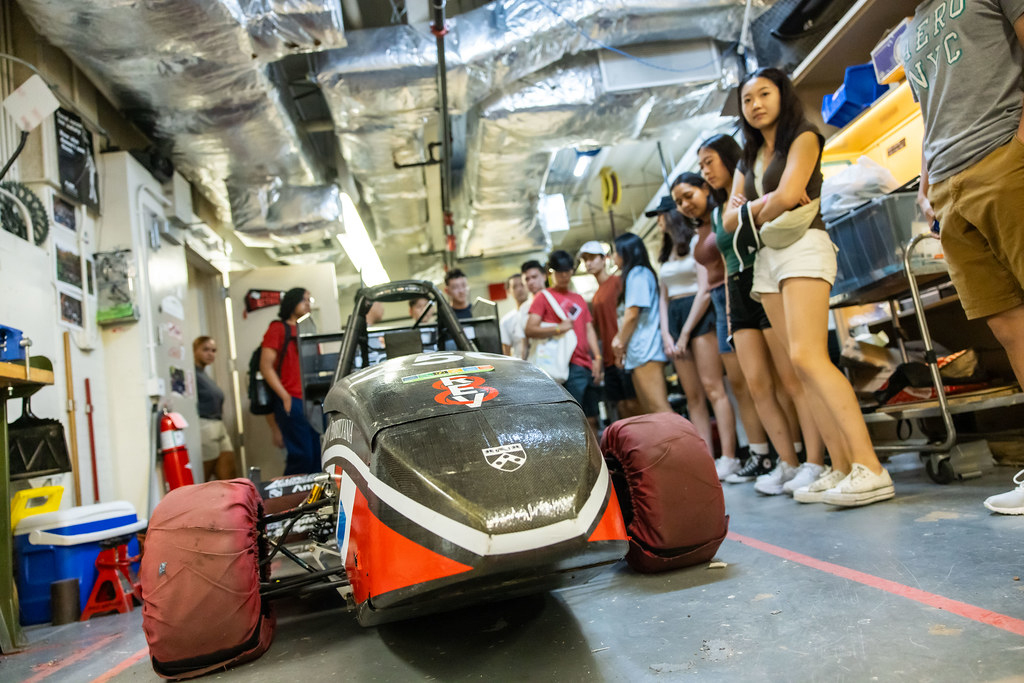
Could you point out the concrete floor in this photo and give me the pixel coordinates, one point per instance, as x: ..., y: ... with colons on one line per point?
x: 924, y: 587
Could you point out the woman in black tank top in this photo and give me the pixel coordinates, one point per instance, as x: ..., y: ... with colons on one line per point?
x: 794, y: 282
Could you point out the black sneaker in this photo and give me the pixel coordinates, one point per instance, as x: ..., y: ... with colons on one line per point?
x: 755, y: 467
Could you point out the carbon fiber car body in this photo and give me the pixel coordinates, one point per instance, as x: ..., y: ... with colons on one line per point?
x: 463, y: 476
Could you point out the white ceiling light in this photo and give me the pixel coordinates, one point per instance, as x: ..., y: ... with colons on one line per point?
x: 358, y: 246
x: 553, y: 215
x: 582, y: 163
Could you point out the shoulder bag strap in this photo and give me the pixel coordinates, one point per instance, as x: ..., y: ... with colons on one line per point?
x: 554, y: 306
x: 284, y: 347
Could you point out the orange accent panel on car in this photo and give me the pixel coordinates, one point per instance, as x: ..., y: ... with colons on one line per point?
x: 381, y: 560
x: 611, y: 527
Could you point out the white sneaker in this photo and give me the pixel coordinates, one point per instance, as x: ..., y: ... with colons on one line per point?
x: 806, y: 475
x: 771, y: 484
x: 860, y: 487
x: 815, y: 491
x: 1011, y: 502
x: 726, y: 466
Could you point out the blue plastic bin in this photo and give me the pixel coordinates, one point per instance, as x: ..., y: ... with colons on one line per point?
x: 858, y: 91
x: 64, y: 545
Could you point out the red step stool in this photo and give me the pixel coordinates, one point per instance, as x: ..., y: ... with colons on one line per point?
x: 114, y: 589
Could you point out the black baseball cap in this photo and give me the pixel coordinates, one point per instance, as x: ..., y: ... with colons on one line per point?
x: 666, y: 205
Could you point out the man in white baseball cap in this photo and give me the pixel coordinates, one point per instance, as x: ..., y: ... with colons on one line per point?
x: 618, y: 389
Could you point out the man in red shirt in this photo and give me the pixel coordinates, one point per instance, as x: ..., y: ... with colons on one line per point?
x: 279, y: 365
x: 618, y: 387
x: 582, y: 370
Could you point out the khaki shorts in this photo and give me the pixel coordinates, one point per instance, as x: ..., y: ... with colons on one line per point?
x: 215, y: 439
x: 981, y: 211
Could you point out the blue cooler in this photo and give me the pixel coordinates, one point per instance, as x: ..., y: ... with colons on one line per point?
x: 64, y: 545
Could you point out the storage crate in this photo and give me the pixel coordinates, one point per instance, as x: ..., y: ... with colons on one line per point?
x: 871, y: 239
x: 858, y: 91
x: 64, y: 545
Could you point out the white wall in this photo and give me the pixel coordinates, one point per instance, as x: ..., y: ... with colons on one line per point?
x: 30, y: 303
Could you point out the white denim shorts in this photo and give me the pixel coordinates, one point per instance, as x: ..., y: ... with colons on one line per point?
x: 813, y: 256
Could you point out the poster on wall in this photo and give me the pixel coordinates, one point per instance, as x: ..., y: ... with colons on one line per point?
x: 71, y: 310
x: 76, y: 167
x: 69, y: 265
x: 63, y: 213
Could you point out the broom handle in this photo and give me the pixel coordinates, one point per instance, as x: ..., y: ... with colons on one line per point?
x: 72, y: 432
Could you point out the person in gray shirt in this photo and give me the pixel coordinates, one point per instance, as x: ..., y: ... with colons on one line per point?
x: 218, y: 453
x: 965, y: 63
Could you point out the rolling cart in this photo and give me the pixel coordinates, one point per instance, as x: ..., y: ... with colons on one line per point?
x: 880, y: 234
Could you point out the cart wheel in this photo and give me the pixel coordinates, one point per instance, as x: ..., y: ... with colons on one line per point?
x: 940, y: 469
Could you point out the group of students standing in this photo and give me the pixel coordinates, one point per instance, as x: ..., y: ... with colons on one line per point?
x: 728, y: 306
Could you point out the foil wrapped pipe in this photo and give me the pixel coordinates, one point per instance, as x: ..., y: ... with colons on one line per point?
x: 499, y: 58
x: 194, y: 74
x: 283, y: 211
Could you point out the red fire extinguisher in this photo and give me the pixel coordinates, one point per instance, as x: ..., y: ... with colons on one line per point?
x: 177, y: 469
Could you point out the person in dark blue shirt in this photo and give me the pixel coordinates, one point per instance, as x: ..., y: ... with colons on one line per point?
x: 456, y: 286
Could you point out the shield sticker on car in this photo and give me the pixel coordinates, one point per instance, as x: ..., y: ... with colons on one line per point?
x: 505, y: 458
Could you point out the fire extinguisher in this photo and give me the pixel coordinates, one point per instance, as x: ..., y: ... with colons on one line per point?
x: 177, y: 469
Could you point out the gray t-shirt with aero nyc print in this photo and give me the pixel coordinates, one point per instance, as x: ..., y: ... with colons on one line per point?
x: 965, y: 63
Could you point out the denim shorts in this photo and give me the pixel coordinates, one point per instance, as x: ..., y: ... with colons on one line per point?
x: 721, y: 318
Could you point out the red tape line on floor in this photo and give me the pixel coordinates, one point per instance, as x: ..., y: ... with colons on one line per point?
x: 962, y: 609
x: 128, y: 663
x: 48, y: 669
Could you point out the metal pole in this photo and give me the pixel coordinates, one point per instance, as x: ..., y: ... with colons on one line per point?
x: 439, y: 30
x: 664, y: 167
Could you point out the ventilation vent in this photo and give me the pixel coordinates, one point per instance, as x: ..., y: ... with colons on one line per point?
x: 695, y: 61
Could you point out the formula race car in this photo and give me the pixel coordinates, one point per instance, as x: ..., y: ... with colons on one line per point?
x: 451, y: 476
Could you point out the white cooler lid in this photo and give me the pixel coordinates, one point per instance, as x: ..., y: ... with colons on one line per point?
x: 82, y: 514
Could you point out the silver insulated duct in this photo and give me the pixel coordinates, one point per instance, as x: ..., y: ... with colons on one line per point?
x: 197, y: 74
x: 382, y: 94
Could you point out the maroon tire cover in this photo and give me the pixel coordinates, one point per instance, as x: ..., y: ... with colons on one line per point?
x: 674, y: 496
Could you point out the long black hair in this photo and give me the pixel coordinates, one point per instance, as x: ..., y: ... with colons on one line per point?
x: 677, y: 235
x: 694, y: 180
x: 728, y: 150
x: 292, y: 298
x: 791, y: 116
x: 633, y: 252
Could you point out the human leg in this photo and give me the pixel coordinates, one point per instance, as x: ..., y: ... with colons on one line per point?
x: 815, y: 419
x: 805, y: 301
x: 1008, y: 328
x: 696, y: 400
x: 301, y: 442
x: 709, y: 367
x: 753, y: 357
x: 225, y: 466
x: 649, y: 382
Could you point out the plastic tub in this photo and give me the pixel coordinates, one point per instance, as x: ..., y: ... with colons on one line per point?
x: 64, y: 545
x: 858, y: 91
x: 871, y: 239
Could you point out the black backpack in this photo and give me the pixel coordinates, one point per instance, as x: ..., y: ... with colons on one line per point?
x: 260, y: 394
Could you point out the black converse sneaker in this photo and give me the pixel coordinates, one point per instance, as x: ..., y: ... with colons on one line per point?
x: 755, y: 467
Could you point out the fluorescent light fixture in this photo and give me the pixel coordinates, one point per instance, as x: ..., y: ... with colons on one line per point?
x: 582, y: 163
x: 358, y: 246
x: 553, y: 215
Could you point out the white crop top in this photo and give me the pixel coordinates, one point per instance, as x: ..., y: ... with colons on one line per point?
x: 680, y: 276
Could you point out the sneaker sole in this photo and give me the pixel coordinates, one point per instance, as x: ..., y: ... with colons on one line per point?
x: 1005, y: 511
x: 772, y: 492
x: 858, y: 499
x: 808, y: 496
x: 733, y: 479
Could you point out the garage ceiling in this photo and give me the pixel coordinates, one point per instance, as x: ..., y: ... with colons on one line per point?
x: 269, y: 104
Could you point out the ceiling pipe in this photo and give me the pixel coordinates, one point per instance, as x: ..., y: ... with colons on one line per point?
x: 439, y: 29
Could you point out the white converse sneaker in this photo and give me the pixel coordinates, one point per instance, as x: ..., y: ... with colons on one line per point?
x: 815, y: 491
x: 772, y: 483
x: 1011, y: 502
x: 806, y: 474
x: 726, y: 466
x: 860, y: 487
